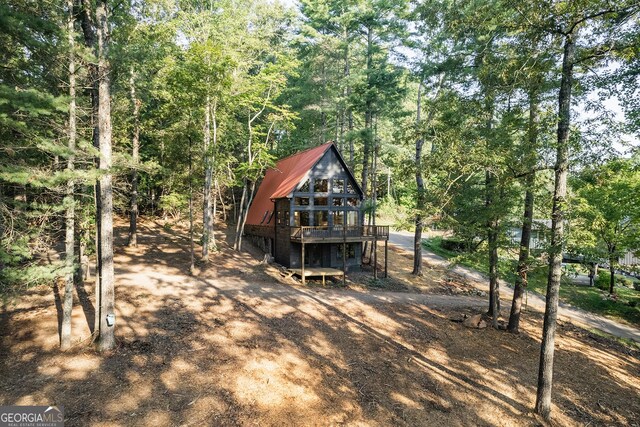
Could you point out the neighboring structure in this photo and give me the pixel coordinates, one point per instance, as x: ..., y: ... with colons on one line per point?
x: 540, y: 234
x: 541, y: 238
x: 307, y: 214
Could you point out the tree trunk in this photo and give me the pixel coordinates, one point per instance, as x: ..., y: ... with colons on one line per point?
x: 192, y: 263
x: 347, y: 94
x: 368, y: 116
x: 214, y: 121
x: 70, y: 261
x: 492, y: 241
x: 135, y: 145
x: 224, y: 209
x: 523, y: 257
x: 417, y: 239
x: 527, y: 222
x: 612, y: 273
x: 545, y: 372
x: 208, y: 179
x: 89, y: 32
x: 106, y: 338
x: 244, y: 211
x: 238, y: 240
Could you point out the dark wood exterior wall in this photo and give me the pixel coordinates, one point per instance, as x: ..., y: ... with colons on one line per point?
x: 282, y: 240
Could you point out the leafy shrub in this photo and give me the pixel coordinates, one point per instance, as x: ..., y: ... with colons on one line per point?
x: 454, y: 245
x: 602, y: 281
x: 636, y: 286
x: 624, y: 281
x: 174, y: 204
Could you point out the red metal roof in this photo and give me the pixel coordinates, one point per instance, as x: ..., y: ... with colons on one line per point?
x: 281, y: 181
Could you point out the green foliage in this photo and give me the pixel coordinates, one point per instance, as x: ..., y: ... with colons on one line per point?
x: 624, y: 305
x: 174, y: 204
x: 603, y: 280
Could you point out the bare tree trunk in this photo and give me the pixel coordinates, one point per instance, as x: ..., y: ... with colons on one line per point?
x: 214, y: 120
x: 224, y: 209
x: 347, y: 93
x: 89, y: 32
x: 208, y: 175
x: 545, y: 372
x: 491, y: 182
x: 323, y: 114
x: 420, y: 200
x: 106, y: 338
x: 523, y: 257
x: 527, y: 222
x: 244, y: 211
x: 612, y: 271
x: 192, y: 263
x: 368, y: 116
x: 417, y: 239
x: 238, y: 239
x: 135, y: 144
x: 70, y: 261
x: 492, y: 241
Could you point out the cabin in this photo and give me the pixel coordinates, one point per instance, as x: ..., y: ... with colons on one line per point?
x: 307, y: 213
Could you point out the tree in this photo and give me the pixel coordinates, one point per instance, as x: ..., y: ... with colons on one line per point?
x: 70, y: 256
x: 606, y: 213
x: 106, y: 337
x: 605, y: 23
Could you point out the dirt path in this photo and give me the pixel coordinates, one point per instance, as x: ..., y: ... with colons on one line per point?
x: 535, y: 301
x: 235, y: 346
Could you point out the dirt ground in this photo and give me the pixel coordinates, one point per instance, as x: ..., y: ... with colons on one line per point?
x: 241, y: 345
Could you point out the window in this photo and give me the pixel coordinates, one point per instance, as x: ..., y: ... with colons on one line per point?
x: 351, y: 251
x: 338, y: 218
x: 305, y: 187
x: 350, y: 188
x: 320, y: 185
x: 321, y: 201
x: 301, y: 218
x: 321, y: 218
x: 352, y: 218
x: 353, y: 201
x: 301, y: 201
x: 338, y: 201
x: 338, y: 186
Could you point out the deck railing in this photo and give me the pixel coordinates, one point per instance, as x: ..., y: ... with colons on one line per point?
x: 340, y: 232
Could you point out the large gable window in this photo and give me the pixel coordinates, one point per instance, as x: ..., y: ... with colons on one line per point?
x: 338, y: 186
x: 301, y: 201
x: 352, y: 218
x: 350, y: 188
x: 301, y: 218
x: 321, y: 218
x: 321, y: 185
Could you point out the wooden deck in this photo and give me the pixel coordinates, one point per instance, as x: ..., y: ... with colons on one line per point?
x: 338, y: 234
x: 317, y: 271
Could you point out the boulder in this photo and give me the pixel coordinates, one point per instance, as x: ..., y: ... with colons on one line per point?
x: 475, y: 322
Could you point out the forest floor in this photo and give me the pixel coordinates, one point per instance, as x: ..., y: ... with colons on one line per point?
x: 240, y: 344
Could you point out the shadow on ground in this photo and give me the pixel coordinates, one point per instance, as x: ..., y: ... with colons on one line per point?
x: 234, y: 347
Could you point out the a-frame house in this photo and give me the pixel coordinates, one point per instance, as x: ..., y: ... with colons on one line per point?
x: 307, y: 211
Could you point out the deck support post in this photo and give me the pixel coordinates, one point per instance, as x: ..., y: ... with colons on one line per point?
x: 375, y: 258
x: 386, y: 257
x: 344, y: 256
x: 302, y: 264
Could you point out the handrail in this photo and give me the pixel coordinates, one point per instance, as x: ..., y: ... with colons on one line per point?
x: 339, y: 231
